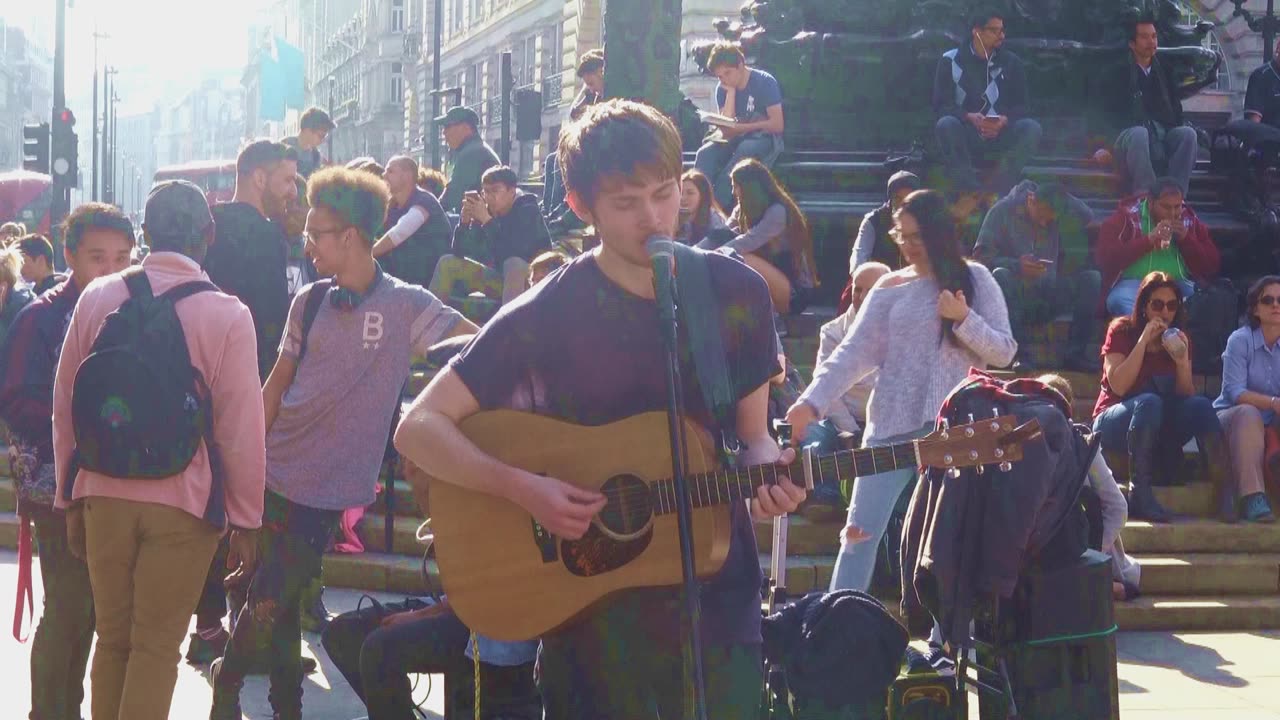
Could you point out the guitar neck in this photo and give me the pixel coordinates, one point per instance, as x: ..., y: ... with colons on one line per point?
x: 726, y: 486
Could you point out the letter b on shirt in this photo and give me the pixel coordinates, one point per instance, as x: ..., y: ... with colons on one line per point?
x: 372, y: 329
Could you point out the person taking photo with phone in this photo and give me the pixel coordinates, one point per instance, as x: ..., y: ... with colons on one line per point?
x: 1035, y: 241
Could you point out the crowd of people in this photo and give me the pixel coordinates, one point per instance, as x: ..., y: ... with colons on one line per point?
x: 300, y: 305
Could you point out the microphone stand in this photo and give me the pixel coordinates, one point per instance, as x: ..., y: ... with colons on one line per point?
x: 695, y: 703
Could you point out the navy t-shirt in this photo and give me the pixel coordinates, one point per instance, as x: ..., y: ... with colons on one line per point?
x: 1263, y: 95
x: 749, y: 104
x: 579, y: 348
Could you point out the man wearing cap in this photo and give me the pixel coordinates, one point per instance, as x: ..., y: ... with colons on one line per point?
x: 469, y: 156
x: 1035, y: 240
x: 37, y: 263
x: 99, y: 239
x: 873, y: 242
x: 149, y: 543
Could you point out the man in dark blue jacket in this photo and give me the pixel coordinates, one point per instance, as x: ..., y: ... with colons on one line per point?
x: 980, y: 97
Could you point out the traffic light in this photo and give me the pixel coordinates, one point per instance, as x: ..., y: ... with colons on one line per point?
x: 528, y: 104
x: 64, y: 165
x: 35, y: 148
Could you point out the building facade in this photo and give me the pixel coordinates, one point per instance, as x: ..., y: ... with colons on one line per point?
x: 26, y: 90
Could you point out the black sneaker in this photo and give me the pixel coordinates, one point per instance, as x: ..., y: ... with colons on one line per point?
x: 940, y: 661
x: 202, y: 652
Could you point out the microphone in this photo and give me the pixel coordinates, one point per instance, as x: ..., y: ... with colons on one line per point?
x: 662, y: 256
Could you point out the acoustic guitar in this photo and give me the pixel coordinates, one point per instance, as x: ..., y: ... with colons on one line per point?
x: 510, y: 579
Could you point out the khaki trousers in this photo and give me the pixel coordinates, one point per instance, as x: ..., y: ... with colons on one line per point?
x: 147, y: 565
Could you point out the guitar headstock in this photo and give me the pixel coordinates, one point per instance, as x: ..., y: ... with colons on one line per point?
x: 994, y: 441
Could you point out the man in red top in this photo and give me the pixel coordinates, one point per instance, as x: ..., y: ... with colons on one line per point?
x: 1153, y: 233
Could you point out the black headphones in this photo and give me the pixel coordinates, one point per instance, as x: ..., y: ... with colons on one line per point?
x: 343, y: 299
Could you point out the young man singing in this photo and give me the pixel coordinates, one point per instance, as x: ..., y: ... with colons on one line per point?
x: 328, y: 406
x: 584, y: 346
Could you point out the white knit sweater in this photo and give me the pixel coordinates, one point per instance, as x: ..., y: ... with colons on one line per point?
x: 898, y: 332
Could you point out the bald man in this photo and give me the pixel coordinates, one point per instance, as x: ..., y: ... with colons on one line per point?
x: 417, y: 232
x: 850, y: 413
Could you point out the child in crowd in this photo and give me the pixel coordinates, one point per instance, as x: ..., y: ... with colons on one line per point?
x: 1125, y: 572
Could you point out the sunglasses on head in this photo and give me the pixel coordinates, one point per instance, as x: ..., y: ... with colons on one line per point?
x: 1269, y: 300
x: 1159, y: 305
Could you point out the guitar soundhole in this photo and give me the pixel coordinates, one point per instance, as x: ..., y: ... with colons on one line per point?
x: 629, y: 509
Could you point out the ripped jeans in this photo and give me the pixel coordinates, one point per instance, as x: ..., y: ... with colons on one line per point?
x: 870, y: 509
x: 291, y: 545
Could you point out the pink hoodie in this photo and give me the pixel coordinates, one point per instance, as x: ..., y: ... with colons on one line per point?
x: 220, y: 338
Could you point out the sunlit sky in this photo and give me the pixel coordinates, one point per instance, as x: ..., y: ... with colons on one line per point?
x: 162, y: 47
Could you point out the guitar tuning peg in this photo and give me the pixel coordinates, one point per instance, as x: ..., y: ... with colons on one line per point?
x: 970, y: 418
x: 995, y: 413
x: 982, y: 469
x: 1006, y: 466
x: 946, y: 427
x: 953, y: 473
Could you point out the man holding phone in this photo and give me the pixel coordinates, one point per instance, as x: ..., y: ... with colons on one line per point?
x: 980, y: 98
x: 1157, y: 231
x: 1036, y: 243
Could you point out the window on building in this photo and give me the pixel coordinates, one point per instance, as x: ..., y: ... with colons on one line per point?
x: 457, y: 15
x: 397, y: 16
x: 397, y: 83
x: 477, y: 10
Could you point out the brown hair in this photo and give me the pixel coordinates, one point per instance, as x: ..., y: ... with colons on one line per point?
x: 315, y: 119
x: 1061, y: 384
x: 1255, y: 292
x: 621, y: 139
x: 754, y: 189
x: 357, y: 197
x: 590, y: 62
x: 432, y: 180
x: 1137, y: 320
x: 95, y: 215
x: 725, y: 53
x: 546, y: 263
x: 701, y: 219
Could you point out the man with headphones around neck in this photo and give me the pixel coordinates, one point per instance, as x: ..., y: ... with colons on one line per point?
x: 980, y: 98
x: 338, y: 381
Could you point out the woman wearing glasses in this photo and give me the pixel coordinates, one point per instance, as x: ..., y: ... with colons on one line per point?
x: 1250, y: 386
x: 922, y: 327
x: 1147, y: 400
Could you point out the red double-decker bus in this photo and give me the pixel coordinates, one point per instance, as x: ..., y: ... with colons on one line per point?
x: 217, y: 178
x: 26, y: 197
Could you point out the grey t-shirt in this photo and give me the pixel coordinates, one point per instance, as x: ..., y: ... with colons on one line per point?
x: 326, y: 446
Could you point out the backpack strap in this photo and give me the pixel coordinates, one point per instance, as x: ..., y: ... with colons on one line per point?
x: 186, y: 290
x: 136, y: 280
x: 315, y: 296
x: 701, y: 312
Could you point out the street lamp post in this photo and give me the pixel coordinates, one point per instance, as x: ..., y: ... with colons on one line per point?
x: 93, y: 190
x: 333, y: 84
x: 1268, y: 24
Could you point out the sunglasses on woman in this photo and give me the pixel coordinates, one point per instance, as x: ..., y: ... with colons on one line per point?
x: 1159, y: 305
x: 1269, y: 300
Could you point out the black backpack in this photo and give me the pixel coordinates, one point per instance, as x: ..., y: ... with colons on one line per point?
x: 1213, y: 313
x: 139, y: 408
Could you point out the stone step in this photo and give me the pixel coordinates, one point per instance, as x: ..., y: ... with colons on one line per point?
x: 1210, y: 573
x: 1199, y: 613
x: 379, y: 572
x: 1200, y: 536
x: 372, y: 532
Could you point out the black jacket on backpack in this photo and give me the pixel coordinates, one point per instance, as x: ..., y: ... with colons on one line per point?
x: 839, y: 649
x: 972, y: 536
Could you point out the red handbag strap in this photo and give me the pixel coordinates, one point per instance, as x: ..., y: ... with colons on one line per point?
x: 24, y: 581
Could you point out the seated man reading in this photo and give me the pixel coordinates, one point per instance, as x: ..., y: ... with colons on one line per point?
x: 500, y: 233
x: 753, y: 98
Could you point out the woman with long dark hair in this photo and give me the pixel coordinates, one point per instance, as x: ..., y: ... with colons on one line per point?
x: 700, y: 214
x: 1251, y: 394
x: 773, y: 236
x: 922, y: 327
x: 1147, y: 400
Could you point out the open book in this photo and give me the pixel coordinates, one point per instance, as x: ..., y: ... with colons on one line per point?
x: 716, y: 119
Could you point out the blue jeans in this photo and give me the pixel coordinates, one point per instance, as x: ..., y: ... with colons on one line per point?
x: 1124, y: 294
x: 870, y: 508
x: 717, y: 159
x: 959, y: 142
x: 1179, y: 418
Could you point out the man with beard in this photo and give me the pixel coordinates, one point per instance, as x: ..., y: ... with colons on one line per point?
x: 249, y: 259
x: 249, y: 256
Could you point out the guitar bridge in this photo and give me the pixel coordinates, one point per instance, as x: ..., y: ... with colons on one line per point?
x: 546, y: 543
